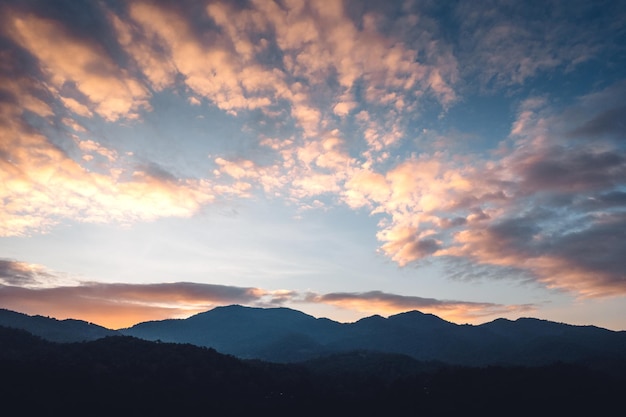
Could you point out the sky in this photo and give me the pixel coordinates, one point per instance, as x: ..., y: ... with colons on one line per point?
x: 465, y: 159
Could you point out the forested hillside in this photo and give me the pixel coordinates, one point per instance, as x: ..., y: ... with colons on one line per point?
x: 122, y: 375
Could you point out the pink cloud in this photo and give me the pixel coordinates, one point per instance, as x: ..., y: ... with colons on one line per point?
x: 366, y: 188
x: 502, y: 213
x: 90, y: 146
x: 109, y: 91
x: 563, y: 262
x: 41, y: 186
x: 25, y: 93
x: 316, y: 43
x: 222, y: 70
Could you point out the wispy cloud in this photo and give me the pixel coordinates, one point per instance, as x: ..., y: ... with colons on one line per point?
x: 119, y: 305
x: 79, y: 72
x: 506, y: 44
x: 23, y: 274
x: 42, y: 185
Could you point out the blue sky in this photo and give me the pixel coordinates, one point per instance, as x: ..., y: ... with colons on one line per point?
x: 158, y: 159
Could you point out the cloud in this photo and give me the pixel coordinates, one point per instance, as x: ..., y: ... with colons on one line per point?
x: 270, y: 178
x: 22, y: 274
x: 563, y: 218
x: 365, y: 188
x: 23, y: 93
x: 283, y: 62
x: 344, y: 108
x: 532, y: 210
x: 284, y: 59
x: 144, y: 48
x: 42, y: 186
x: 117, y: 305
x: 594, y: 255
x: 608, y: 122
x: 570, y: 170
x: 76, y: 107
x: 81, y: 74
x: 588, y: 262
x: 342, y: 84
x: 506, y: 44
x: 163, y: 43
x: 90, y: 147
x: 405, y: 244
x: 386, y: 303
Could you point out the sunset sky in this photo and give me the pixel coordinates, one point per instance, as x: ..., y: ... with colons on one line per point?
x: 461, y: 158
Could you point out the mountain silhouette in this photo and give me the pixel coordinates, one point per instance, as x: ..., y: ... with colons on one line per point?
x: 68, y: 330
x: 276, y: 334
x: 283, y: 335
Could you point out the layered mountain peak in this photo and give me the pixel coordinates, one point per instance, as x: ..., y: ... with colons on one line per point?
x: 417, y: 318
x: 285, y: 335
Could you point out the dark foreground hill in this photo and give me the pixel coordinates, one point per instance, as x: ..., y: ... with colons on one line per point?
x: 125, y: 376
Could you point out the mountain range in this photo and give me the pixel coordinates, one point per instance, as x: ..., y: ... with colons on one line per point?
x: 285, y: 335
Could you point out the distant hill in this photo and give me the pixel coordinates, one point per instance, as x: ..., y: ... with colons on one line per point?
x: 68, y: 330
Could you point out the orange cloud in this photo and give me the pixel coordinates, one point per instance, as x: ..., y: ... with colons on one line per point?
x: 316, y: 42
x: 568, y: 263
x: 90, y: 146
x: 25, y: 92
x: 271, y: 178
x: 366, y: 188
x: 159, y: 70
x: 122, y: 305
x: 40, y: 186
x: 221, y: 70
x: 106, y: 88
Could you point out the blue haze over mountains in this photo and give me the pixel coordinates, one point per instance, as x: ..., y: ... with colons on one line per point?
x: 286, y: 335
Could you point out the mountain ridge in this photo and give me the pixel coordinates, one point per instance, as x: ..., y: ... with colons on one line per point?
x: 286, y: 335
x: 67, y: 330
